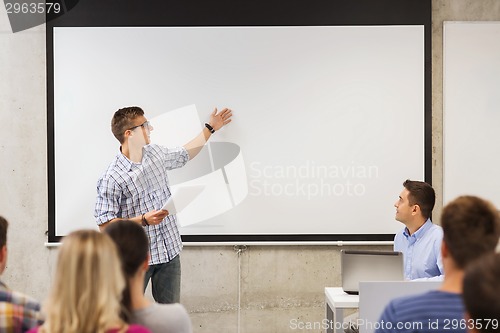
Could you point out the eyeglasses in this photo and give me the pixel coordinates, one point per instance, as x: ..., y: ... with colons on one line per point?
x: 146, y: 125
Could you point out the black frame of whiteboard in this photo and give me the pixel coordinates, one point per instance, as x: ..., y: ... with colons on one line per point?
x: 98, y: 13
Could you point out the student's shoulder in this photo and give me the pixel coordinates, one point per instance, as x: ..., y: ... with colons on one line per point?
x: 176, y: 309
x: 409, y: 309
x: 156, y: 310
x: 166, y: 318
x: 20, y: 299
x: 412, y: 303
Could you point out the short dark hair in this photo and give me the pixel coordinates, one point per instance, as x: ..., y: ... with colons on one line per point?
x: 3, y: 231
x: 480, y: 291
x: 471, y: 228
x: 123, y: 120
x: 421, y: 194
x: 133, y: 248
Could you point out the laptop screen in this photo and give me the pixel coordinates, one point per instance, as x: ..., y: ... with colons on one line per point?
x: 359, y: 266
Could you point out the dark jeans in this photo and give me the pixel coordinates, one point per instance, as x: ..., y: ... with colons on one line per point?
x: 165, y: 281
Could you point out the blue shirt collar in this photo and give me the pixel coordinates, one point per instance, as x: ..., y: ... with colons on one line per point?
x: 419, y: 233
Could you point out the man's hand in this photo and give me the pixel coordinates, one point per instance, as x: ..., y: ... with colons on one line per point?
x: 156, y: 216
x: 217, y: 120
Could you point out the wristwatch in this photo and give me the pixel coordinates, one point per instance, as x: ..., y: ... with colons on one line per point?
x: 210, y: 128
x: 144, y: 221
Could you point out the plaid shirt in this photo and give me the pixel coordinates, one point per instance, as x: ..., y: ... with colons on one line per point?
x: 129, y: 189
x: 18, y: 312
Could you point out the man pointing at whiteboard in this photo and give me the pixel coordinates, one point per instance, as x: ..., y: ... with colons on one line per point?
x: 135, y: 186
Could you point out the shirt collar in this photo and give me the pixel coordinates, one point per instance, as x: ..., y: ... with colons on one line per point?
x: 419, y: 233
x: 125, y: 163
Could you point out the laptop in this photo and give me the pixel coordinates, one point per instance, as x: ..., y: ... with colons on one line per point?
x: 359, y: 266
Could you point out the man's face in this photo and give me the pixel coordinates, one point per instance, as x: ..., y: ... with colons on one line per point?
x: 404, y: 210
x: 140, y: 131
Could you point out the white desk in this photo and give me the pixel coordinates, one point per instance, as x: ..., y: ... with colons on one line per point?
x: 336, y: 301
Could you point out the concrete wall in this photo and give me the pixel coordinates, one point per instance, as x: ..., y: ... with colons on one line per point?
x: 270, y: 285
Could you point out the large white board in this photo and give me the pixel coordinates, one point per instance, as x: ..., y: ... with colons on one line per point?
x: 328, y: 120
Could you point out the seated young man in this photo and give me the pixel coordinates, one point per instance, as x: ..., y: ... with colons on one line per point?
x: 420, y: 240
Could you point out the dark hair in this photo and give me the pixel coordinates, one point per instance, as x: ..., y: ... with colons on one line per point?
x: 123, y: 120
x: 470, y: 228
x: 421, y: 194
x: 3, y: 231
x: 480, y: 291
x: 133, y: 248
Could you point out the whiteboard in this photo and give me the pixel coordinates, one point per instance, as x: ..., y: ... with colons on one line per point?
x: 325, y: 129
x: 471, y: 104
x: 331, y: 99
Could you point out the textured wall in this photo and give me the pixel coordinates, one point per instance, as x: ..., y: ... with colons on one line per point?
x: 23, y: 161
x: 276, y: 284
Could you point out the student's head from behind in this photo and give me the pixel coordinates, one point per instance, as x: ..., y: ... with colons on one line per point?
x: 471, y: 228
x: 3, y: 243
x: 125, y: 119
x: 88, y: 283
x: 415, y: 201
x: 133, y: 249
x: 132, y: 243
x: 480, y: 294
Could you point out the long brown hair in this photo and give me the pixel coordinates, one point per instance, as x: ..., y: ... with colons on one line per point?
x: 133, y: 249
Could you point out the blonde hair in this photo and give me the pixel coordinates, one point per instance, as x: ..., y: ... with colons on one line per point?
x: 88, y: 283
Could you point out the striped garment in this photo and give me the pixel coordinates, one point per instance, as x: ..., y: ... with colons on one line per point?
x: 434, y: 312
x: 18, y: 312
x: 129, y: 189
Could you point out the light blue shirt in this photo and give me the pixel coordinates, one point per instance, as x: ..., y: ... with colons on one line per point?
x: 421, y: 251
